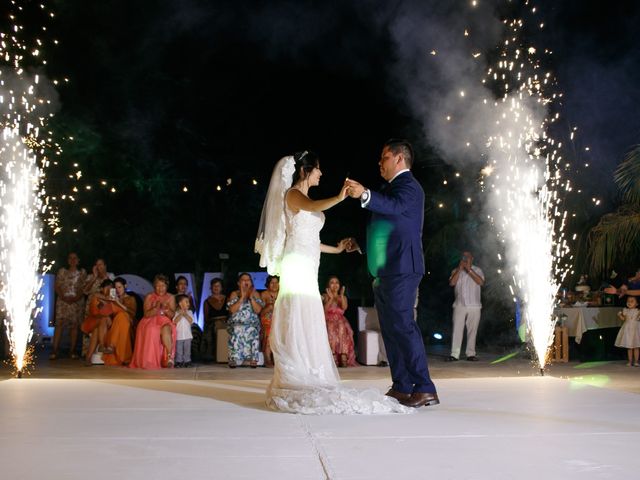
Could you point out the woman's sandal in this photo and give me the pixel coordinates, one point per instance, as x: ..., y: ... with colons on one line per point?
x: 166, y: 358
x: 343, y: 360
x: 253, y: 364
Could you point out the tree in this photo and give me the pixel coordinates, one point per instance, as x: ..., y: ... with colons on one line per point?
x: 616, y: 237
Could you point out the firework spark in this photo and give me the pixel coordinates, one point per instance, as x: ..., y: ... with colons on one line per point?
x: 525, y: 180
x: 22, y: 198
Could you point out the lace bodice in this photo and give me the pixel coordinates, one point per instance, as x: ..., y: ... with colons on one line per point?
x: 303, y: 233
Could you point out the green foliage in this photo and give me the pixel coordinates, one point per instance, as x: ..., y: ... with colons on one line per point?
x: 615, y: 240
x: 627, y: 176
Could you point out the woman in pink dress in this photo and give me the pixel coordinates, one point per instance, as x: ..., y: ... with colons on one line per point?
x: 338, y: 328
x: 156, y: 332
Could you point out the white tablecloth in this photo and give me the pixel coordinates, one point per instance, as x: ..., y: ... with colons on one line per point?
x: 580, y: 319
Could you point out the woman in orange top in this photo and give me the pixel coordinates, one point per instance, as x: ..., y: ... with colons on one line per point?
x: 269, y: 297
x: 98, y: 319
x: 118, y: 338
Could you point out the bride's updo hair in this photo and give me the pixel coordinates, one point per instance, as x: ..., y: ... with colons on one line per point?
x: 306, y: 161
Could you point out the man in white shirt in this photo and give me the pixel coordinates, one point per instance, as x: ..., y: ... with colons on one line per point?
x: 466, y: 280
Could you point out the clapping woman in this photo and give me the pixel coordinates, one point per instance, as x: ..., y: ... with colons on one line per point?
x: 338, y: 328
x: 118, y: 338
x: 243, y: 326
x: 156, y: 333
x: 269, y: 297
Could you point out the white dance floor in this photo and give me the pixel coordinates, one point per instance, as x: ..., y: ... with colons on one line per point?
x: 485, y: 428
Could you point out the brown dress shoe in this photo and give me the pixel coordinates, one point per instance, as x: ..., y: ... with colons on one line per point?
x: 420, y: 399
x: 401, y: 397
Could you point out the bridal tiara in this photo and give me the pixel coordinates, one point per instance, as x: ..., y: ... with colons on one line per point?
x: 302, y: 156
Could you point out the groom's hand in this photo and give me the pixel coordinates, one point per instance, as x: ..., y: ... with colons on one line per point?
x: 352, y: 246
x: 355, y: 189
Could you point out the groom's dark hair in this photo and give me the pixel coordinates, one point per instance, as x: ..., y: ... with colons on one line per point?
x: 397, y: 146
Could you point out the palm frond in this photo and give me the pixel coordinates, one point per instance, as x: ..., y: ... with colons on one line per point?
x: 616, y: 236
x: 627, y: 175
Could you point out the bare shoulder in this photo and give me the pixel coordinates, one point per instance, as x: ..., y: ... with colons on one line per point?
x: 295, y: 199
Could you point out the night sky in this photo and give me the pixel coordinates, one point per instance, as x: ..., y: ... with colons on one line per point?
x: 169, y: 94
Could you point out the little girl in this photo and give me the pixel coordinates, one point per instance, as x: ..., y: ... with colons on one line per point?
x: 629, y: 334
x: 183, y: 320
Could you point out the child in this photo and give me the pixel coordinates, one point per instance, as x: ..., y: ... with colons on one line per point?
x: 183, y: 320
x: 629, y: 334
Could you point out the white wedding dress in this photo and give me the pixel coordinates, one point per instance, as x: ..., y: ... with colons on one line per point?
x: 305, y: 378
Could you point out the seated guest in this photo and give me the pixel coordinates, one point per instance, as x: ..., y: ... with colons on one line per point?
x: 96, y: 277
x: 215, y: 318
x: 156, y: 332
x: 269, y: 297
x: 98, y: 274
x: 338, y: 328
x: 98, y: 320
x: 244, y: 324
x: 118, y: 338
x: 70, y: 306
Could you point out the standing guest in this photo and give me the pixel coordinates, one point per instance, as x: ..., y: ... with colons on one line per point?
x: 98, y: 320
x: 244, y: 324
x: 629, y: 334
x: 629, y: 286
x: 338, y: 328
x: 156, y: 333
x: 69, y: 303
x: 183, y: 320
x: 269, y: 297
x: 396, y: 261
x: 466, y: 280
x: 215, y: 318
x: 182, y: 288
x: 118, y: 338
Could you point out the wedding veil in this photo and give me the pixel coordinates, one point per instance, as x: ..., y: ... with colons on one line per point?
x: 272, y: 228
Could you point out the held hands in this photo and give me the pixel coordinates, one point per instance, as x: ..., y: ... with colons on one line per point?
x: 353, y: 246
x: 349, y: 245
x: 355, y: 189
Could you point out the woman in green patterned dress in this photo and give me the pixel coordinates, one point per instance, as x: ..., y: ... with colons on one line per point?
x: 243, y: 325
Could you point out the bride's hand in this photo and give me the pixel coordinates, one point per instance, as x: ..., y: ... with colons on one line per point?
x: 343, y: 244
x: 352, y: 246
x: 344, y: 191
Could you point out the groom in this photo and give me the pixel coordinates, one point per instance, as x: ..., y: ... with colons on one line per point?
x: 394, y: 258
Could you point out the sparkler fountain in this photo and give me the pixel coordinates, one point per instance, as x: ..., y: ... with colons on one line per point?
x: 22, y: 196
x: 525, y: 182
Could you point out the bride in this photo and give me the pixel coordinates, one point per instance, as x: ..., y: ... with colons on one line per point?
x: 305, y: 378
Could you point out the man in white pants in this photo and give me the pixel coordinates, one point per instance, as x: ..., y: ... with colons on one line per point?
x: 466, y: 280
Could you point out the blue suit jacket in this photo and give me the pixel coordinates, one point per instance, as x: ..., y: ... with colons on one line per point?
x: 394, y: 231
